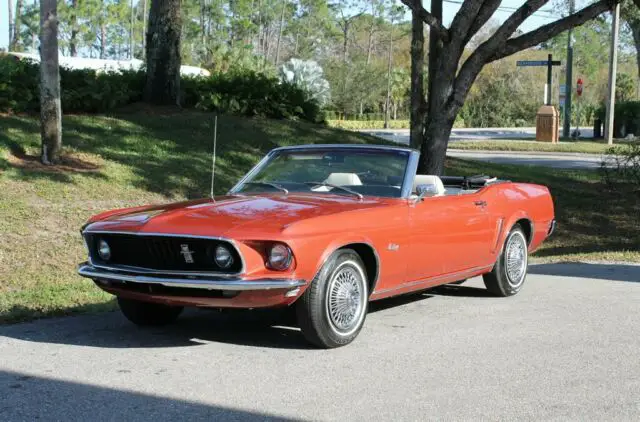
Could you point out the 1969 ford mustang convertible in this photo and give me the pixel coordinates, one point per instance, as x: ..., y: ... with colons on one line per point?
x: 323, y: 228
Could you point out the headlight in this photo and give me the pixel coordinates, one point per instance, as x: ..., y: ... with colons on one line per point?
x: 279, y: 257
x: 104, y: 251
x: 223, y: 257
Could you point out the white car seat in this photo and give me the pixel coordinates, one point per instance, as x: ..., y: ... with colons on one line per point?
x: 422, y: 179
x: 343, y: 179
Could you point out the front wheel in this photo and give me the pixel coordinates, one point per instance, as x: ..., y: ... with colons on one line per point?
x: 331, y: 312
x: 510, y: 271
x: 147, y: 313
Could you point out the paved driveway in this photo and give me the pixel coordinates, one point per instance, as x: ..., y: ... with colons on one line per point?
x: 565, y: 348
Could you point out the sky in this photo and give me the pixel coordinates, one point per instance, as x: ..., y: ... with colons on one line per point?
x: 449, y: 9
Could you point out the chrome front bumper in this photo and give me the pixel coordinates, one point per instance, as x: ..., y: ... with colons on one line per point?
x: 209, y: 283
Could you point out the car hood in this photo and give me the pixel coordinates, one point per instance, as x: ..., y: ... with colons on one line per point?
x: 248, y: 215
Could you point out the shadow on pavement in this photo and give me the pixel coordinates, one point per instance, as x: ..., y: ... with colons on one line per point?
x: 25, y: 397
x: 264, y: 328
x: 461, y: 291
x: 612, y: 272
x: 270, y: 328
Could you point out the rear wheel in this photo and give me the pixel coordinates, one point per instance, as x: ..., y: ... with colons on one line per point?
x: 147, y: 313
x: 331, y: 312
x: 510, y: 271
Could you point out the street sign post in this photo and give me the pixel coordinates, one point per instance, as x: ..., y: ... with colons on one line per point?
x: 549, y: 63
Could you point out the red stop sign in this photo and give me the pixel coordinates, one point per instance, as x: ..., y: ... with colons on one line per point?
x: 579, y: 87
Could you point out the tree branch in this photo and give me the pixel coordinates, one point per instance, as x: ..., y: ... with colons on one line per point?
x: 550, y: 30
x: 429, y: 19
x: 473, y: 65
x: 486, y: 12
x: 464, y: 18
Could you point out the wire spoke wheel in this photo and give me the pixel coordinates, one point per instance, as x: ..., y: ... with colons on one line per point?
x: 346, y: 297
x: 516, y: 259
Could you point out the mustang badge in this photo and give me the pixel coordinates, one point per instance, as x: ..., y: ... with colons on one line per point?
x: 187, y: 254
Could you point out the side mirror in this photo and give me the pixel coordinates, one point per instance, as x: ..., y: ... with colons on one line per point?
x: 426, y: 190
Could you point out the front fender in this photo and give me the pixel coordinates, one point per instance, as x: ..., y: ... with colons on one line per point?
x: 312, y: 254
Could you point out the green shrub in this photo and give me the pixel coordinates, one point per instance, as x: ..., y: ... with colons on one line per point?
x: 626, y: 118
x: 249, y: 93
x: 81, y: 90
x: 620, y: 168
x: 87, y: 91
x: 18, y: 85
x: 379, y: 124
x: 367, y: 124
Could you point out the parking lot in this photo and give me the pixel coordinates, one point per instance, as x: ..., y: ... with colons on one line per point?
x: 566, y: 347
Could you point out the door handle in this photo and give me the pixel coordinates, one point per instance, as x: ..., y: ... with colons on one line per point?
x: 480, y: 203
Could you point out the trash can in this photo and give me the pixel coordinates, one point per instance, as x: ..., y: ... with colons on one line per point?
x: 547, y: 124
x: 597, y: 128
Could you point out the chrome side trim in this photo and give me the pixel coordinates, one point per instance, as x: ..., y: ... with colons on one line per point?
x: 211, y: 283
x: 142, y: 270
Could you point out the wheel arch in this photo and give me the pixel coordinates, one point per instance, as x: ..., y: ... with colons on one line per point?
x: 370, y: 259
x: 524, y: 220
x: 365, y: 250
x: 527, y: 226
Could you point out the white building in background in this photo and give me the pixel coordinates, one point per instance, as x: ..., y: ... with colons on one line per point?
x: 107, y: 65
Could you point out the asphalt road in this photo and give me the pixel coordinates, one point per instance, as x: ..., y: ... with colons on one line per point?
x: 561, y: 161
x: 565, y: 348
x: 474, y: 134
x: 554, y: 160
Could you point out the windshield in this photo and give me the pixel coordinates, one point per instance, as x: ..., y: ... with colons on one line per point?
x: 347, y: 171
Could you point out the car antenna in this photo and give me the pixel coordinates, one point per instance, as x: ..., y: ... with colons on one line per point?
x: 213, y: 156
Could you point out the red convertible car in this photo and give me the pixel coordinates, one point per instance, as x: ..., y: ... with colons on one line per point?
x: 323, y: 228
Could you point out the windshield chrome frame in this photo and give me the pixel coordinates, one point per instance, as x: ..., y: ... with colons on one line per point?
x: 407, y: 182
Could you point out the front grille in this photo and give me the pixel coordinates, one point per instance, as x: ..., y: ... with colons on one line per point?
x: 162, y: 252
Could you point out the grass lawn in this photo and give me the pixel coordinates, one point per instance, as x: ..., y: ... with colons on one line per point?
x: 150, y: 157
x: 582, y: 146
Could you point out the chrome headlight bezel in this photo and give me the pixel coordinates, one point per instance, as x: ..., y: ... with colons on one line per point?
x: 223, y: 257
x: 103, y: 250
x: 280, y: 257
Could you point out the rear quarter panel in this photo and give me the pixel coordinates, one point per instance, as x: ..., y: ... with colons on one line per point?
x: 516, y: 201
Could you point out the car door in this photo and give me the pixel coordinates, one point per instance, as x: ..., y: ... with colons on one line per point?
x: 450, y: 234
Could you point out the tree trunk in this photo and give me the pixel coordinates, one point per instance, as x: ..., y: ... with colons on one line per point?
x: 144, y: 26
x: 345, y: 41
x: 434, y: 150
x: 417, y: 80
x: 10, y: 3
x: 163, y: 53
x: 389, y: 64
x: 50, y: 110
x: 16, y: 27
x: 284, y: 4
x: 103, y: 40
x: 635, y: 31
x: 435, y: 49
x: 73, y: 22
